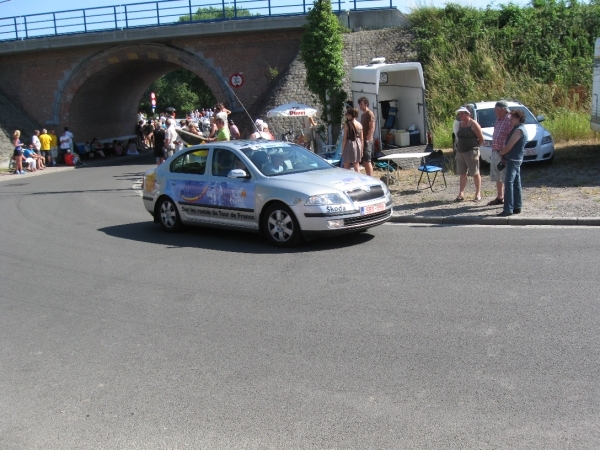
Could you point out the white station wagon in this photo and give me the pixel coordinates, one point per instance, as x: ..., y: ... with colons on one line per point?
x: 279, y: 189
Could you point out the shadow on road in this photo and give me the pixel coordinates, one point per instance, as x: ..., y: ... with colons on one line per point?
x: 224, y: 240
x: 127, y: 160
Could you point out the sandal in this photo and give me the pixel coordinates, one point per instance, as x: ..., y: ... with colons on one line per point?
x: 477, y: 199
x: 460, y: 198
x: 496, y: 201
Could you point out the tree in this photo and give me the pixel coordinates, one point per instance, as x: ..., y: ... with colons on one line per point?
x: 180, y: 89
x: 321, y: 50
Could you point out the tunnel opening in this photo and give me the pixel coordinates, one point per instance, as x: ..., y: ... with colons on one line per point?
x: 102, y: 97
x: 181, y: 89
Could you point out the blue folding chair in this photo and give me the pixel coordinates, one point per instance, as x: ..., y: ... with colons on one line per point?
x: 432, y: 163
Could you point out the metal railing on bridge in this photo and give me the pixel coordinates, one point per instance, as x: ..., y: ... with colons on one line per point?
x: 160, y: 13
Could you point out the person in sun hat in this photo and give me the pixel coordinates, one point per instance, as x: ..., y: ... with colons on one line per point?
x: 468, y: 140
x: 258, y: 134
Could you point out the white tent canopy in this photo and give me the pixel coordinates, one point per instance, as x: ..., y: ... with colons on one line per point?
x: 292, y: 110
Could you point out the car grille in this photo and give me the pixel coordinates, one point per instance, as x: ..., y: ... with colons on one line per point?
x: 353, y: 221
x: 529, y: 157
x: 358, y: 195
x: 531, y: 144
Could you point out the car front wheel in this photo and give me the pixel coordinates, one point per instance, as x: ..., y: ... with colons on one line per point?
x: 281, y: 227
x: 168, y: 215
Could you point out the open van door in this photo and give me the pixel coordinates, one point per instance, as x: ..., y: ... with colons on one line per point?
x: 400, y: 86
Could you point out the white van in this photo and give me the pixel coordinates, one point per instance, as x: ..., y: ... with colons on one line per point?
x: 595, y: 117
x: 396, y: 94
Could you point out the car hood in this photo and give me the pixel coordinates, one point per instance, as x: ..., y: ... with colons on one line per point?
x: 534, y: 131
x: 344, y: 180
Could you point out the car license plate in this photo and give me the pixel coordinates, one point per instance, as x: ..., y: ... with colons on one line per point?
x: 371, y: 209
x: 530, y: 151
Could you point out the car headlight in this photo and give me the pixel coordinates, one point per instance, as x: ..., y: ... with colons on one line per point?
x: 387, y: 193
x: 547, y: 139
x: 326, y: 199
x: 487, y: 143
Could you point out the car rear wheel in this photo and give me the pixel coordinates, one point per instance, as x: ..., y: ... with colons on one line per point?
x: 281, y: 227
x: 168, y: 215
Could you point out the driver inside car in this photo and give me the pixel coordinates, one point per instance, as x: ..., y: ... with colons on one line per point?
x: 276, y: 165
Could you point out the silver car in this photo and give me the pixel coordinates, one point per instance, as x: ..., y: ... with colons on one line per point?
x: 279, y: 189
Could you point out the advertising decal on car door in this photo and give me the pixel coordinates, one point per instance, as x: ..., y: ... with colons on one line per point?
x: 214, y: 199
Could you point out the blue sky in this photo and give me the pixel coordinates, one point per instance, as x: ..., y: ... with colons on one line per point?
x: 20, y: 7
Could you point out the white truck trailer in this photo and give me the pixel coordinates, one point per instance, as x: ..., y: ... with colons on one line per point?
x: 396, y: 94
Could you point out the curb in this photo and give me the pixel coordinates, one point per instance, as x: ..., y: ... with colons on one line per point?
x: 487, y: 220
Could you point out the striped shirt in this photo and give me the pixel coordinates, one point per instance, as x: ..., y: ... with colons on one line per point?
x: 502, y: 129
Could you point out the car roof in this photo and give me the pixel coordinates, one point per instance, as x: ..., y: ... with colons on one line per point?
x: 492, y: 104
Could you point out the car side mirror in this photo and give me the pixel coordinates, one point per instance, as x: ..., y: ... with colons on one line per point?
x: 237, y: 173
x: 540, y: 118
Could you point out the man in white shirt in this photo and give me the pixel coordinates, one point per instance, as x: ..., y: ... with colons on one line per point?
x: 71, y: 139
x: 65, y: 145
x: 35, y: 140
x: 170, y: 138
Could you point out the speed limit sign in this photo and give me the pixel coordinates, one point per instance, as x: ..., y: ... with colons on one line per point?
x: 236, y: 80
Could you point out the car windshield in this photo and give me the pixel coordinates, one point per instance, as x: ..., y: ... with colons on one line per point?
x: 486, y: 117
x: 281, y: 158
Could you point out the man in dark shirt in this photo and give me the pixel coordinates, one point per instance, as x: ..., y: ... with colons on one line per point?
x: 367, y: 120
x: 159, y: 144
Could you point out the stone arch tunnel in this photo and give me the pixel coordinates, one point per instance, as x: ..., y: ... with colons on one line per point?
x: 104, y: 91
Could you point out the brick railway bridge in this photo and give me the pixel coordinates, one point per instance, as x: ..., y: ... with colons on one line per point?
x: 93, y: 82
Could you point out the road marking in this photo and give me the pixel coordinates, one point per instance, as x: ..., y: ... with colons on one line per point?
x: 137, y: 187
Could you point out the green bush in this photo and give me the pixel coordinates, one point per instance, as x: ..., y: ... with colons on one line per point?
x: 540, y: 55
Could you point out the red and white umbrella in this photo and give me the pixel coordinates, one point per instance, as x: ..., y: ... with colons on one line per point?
x: 292, y: 110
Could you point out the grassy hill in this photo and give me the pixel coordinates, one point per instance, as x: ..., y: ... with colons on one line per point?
x: 541, y: 55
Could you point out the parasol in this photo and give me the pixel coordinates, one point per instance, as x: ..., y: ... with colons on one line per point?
x: 292, y: 110
x: 170, y: 109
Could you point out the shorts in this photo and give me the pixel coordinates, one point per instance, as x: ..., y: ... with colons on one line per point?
x: 18, y: 152
x: 54, y: 151
x: 309, y: 134
x: 468, y: 162
x: 495, y: 174
x: 367, y: 156
x: 46, y: 153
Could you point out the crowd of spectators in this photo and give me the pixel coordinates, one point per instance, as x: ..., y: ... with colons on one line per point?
x: 158, y: 135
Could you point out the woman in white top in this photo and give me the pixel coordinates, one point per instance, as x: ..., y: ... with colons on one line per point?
x: 259, y: 133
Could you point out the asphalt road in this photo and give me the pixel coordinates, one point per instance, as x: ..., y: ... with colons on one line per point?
x: 116, y: 335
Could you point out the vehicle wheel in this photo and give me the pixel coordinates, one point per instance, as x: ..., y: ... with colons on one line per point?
x: 168, y: 215
x: 280, y: 226
x: 548, y: 161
